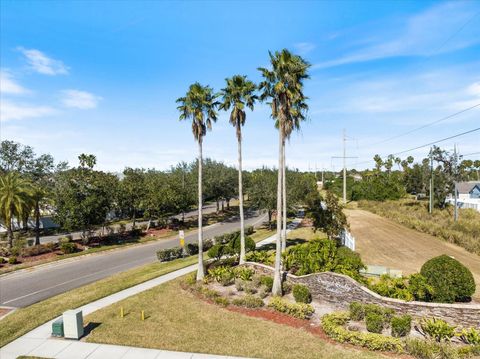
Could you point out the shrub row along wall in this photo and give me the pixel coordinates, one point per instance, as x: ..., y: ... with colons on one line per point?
x: 341, y: 290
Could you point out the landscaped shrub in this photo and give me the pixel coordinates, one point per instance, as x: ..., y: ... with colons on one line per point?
x: 221, y: 301
x: 301, y: 293
x: 36, y: 250
x: 249, y: 230
x: 12, y: 260
x: 239, y: 285
x: 261, y: 256
x: 218, y: 251
x: 419, y: 287
x: 250, y: 288
x: 349, y: 263
x: 374, y: 322
x: 165, y: 255
x: 244, y: 273
x: 333, y: 324
x: 401, y: 325
x: 437, y: 329
x: 221, y: 274
x: 286, y: 287
x: 191, y: 249
x: 392, y: 287
x: 385, y: 313
x: 322, y: 255
x: 2, y: 260
x: 248, y: 301
x: 297, y: 310
x: 68, y: 247
x: 267, y: 281
x: 470, y: 336
x: 357, y: 311
x: 451, y: 281
x: 235, y: 245
x: 426, y: 349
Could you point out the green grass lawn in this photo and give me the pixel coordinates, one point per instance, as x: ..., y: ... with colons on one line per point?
x: 177, y: 320
x: 25, y: 319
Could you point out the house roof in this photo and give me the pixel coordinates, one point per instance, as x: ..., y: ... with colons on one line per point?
x: 467, y: 187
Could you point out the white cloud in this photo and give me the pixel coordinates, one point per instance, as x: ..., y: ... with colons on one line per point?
x: 443, y: 28
x: 15, y: 111
x: 79, y: 99
x: 43, y: 64
x: 304, y: 48
x: 8, y: 85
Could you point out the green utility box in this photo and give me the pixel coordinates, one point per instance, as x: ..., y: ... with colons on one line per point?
x: 57, y: 328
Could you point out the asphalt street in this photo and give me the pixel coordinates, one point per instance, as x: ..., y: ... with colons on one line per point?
x: 208, y: 208
x: 23, y: 288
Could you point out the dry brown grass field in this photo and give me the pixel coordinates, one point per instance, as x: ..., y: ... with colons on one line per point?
x: 384, y: 242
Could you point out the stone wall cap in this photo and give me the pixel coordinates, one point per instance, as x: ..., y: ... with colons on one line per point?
x: 376, y: 295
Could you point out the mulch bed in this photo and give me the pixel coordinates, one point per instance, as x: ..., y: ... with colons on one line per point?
x: 284, y: 319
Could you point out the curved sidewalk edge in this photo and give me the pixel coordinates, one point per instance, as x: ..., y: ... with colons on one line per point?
x: 38, y: 342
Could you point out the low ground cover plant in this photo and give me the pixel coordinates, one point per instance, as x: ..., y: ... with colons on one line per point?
x: 297, y: 310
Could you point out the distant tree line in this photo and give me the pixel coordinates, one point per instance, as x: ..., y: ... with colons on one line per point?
x: 83, y: 198
x: 393, y: 177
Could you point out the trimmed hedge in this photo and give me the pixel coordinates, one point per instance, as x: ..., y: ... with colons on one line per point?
x: 451, y: 280
x: 333, y: 324
x: 169, y: 254
x: 297, y: 310
x: 267, y: 281
x: 374, y: 322
x: 301, y: 293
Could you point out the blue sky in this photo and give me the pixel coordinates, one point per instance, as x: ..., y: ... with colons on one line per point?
x: 102, y: 77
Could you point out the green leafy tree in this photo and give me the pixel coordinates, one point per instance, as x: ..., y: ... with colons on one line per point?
x: 83, y: 197
x: 262, y: 190
x: 328, y: 215
x: 199, y: 106
x: 282, y: 87
x: 133, y: 190
x: 239, y: 94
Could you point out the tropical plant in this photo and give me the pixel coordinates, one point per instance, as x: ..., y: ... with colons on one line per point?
x: 282, y: 86
x: 239, y: 94
x: 15, y: 199
x: 436, y: 329
x: 199, y: 106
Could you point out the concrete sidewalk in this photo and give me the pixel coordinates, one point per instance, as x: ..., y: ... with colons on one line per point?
x: 39, y: 342
x: 294, y: 224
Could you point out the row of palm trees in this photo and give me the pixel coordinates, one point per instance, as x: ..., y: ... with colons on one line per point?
x: 281, y: 88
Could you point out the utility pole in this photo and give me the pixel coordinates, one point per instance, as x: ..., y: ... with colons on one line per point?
x: 430, y: 207
x: 344, y: 139
x: 455, y: 211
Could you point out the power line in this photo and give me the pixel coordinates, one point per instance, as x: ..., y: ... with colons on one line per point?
x: 431, y: 143
x: 427, y: 125
x: 471, y: 154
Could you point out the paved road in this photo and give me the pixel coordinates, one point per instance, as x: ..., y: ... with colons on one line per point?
x: 20, y: 289
x: 208, y: 208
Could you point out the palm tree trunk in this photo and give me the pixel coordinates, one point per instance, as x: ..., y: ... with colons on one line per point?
x: 200, y: 271
x: 8, y: 223
x: 240, y: 197
x: 284, y: 199
x: 37, y: 223
x: 277, y: 278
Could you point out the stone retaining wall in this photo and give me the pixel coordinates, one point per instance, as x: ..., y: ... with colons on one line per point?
x: 341, y: 290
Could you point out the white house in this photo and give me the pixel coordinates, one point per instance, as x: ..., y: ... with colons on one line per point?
x: 468, y: 195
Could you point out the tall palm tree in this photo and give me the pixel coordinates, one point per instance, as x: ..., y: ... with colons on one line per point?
x: 199, y: 106
x: 283, y: 88
x: 15, y: 199
x: 238, y: 94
